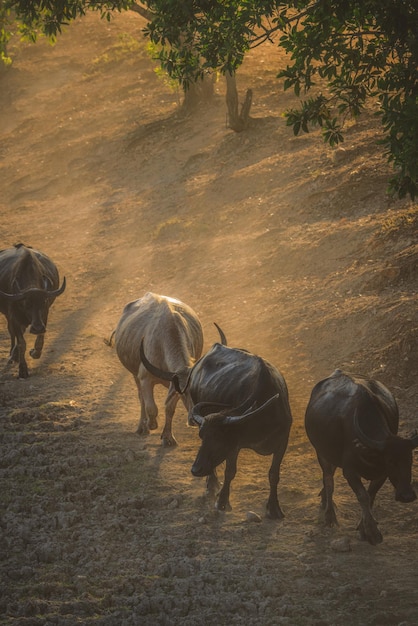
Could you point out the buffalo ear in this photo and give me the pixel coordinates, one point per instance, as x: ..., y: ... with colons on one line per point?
x: 196, y: 418
x: 201, y: 410
x: 359, y: 445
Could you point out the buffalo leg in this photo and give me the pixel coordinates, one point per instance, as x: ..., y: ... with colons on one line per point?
x: 212, y: 484
x: 149, y: 410
x: 273, y: 510
x: 14, y: 353
x: 222, y: 503
x: 374, y: 488
x: 368, y: 526
x: 23, y: 368
x: 21, y: 344
x: 37, y: 349
x: 167, y: 436
x: 18, y: 348
x: 327, y: 503
x: 14, y: 347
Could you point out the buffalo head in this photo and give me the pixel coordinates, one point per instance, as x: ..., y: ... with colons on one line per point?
x: 397, y: 456
x: 32, y: 305
x: 219, y: 431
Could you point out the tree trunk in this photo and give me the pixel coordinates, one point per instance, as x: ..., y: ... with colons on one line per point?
x: 198, y: 93
x: 237, y: 121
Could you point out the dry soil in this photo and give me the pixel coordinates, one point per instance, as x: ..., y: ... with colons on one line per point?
x: 297, y: 252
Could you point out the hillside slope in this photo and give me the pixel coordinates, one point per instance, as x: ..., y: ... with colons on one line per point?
x: 299, y: 255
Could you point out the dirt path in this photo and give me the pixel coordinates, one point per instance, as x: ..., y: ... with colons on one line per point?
x: 293, y: 249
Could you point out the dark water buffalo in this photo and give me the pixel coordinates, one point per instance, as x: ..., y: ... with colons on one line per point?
x: 29, y: 284
x: 173, y: 338
x: 239, y: 401
x: 352, y: 423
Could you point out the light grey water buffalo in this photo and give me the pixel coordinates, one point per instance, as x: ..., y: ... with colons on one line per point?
x: 239, y: 401
x: 173, y: 337
x: 352, y: 422
x: 29, y: 284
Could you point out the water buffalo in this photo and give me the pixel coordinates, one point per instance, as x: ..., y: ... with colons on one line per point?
x: 352, y: 422
x: 29, y: 284
x: 173, y: 338
x: 239, y: 401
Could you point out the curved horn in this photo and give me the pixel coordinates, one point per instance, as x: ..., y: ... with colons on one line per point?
x: 221, y: 335
x: 203, y: 409
x: 197, y: 419
x: 375, y: 444
x: 176, y: 381
x: 155, y: 371
x: 58, y: 292
x: 234, y: 419
x: 13, y: 297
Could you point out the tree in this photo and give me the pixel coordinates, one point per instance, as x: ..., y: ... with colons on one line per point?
x: 29, y: 18
x: 198, y: 38
x: 362, y: 49
x: 350, y: 52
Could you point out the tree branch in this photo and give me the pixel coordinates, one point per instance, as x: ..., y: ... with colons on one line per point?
x: 142, y: 11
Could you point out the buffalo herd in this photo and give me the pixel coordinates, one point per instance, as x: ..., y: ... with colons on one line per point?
x: 236, y: 398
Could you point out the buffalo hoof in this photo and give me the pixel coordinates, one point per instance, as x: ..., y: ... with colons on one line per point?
x: 142, y: 430
x: 370, y: 533
x: 168, y: 441
x: 223, y: 506
x: 274, y: 513
x: 328, y: 518
x: 23, y: 372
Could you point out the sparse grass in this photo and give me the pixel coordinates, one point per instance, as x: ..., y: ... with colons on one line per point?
x: 126, y: 46
x: 402, y: 223
x: 164, y: 227
x: 152, y: 51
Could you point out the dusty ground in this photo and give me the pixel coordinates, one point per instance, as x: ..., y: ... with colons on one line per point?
x: 294, y: 249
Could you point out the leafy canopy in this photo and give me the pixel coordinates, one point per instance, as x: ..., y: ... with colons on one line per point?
x: 362, y: 49
x: 350, y: 52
